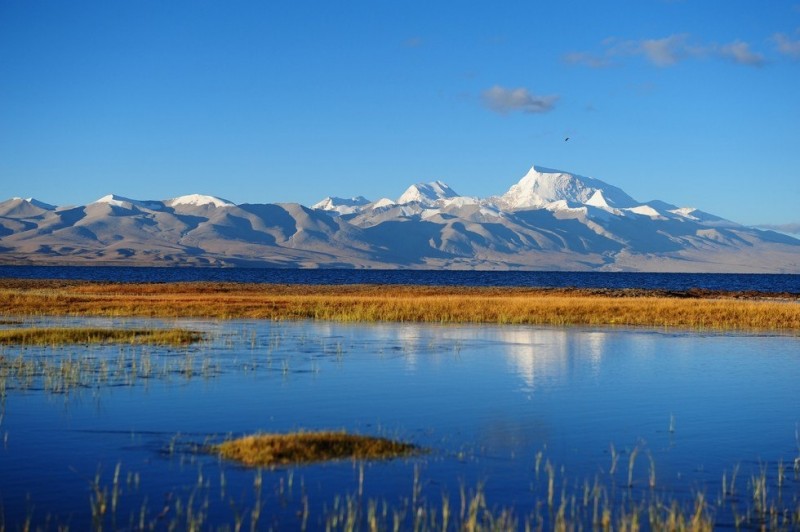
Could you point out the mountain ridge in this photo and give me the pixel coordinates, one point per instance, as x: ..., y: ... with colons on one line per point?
x: 549, y: 219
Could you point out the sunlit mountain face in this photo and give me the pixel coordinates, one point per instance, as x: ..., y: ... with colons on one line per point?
x: 548, y: 220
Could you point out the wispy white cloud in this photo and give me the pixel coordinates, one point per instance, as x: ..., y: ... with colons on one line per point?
x: 503, y: 101
x: 787, y: 46
x: 741, y: 53
x: 413, y: 42
x: 665, y: 52
x: 586, y: 59
x: 793, y: 228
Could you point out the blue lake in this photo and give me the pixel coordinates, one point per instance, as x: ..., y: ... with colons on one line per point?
x: 665, y: 281
x: 500, y: 409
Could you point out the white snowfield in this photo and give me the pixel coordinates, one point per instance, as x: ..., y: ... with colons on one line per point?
x: 427, y: 193
x: 548, y: 220
x: 540, y: 188
x: 197, y: 200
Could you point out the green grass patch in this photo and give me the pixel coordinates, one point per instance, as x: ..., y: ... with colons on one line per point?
x: 92, y: 335
x: 307, y: 447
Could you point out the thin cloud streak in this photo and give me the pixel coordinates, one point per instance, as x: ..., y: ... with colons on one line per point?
x: 504, y: 101
x: 666, y: 52
x: 740, y: 52
x: 792, y: 228
x: 787, y: 46
x: 586, y: 59
x: 413, y: 42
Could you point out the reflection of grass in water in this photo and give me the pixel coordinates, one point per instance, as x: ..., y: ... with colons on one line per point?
x: 604, y: 503
x: 555, y: 501
x: 65, y: 372
x: 93, y: 335
x: 307, y: 447
x: 63, y: 368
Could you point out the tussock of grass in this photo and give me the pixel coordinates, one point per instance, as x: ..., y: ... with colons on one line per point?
x: 307, y: 447
x: 693, y: 309
x: 87, y: 335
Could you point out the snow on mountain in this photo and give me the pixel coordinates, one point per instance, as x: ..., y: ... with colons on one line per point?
x: 113, y: 199
x: 383, y: 202
x: 20, y: 208
x: 341, y: 205
x: 127, y: 203
x: 459, y: 201
x: 541, y: 186
x: 42, y: 205
x: 199, y: 200
x: 645, y: 210
x: 690, y: 213
x: 427, y: 193
x: 550, y: 220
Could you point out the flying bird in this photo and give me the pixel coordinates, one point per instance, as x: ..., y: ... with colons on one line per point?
x: 566, y: 139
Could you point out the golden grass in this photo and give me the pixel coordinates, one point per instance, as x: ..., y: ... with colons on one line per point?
x: 89, y: 335
x: 306, y: 447
x: 688, y: 310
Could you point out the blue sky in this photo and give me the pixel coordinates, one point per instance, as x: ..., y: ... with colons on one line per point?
x: 692, y: 102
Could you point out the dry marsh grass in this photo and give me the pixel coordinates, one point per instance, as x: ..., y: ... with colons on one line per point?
x: 51, y: 336
x: 652, y: 308
x: 266, y: 450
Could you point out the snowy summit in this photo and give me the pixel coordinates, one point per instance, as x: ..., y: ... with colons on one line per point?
x: 127, y: 203
x: 427, y: 193
x: 548, y: 220
x: 542, y: 186
x: 341, y: 205
x: 199, y: 200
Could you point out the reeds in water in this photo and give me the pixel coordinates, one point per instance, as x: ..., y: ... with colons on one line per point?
x: 54, y: 336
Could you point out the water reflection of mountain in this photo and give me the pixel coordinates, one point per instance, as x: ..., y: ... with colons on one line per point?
x: 538, y: 356
x: 549, y: 356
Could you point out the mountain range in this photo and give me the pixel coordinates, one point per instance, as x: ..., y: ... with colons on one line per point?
x: 549, y: 220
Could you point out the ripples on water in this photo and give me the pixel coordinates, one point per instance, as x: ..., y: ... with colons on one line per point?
x: 666, y: 281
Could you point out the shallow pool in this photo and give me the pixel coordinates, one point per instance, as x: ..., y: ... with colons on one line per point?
x: 527, y: 421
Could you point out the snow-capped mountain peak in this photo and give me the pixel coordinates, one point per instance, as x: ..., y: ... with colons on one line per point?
x: 128, y: 203
x: 427, y: 193
x: 548, y: 220
x: 199, y: 200
x: 541, y: 186
x: 383, y: 202
x: 115, y: 200
x: 341, y: 205
x: 35, y: 202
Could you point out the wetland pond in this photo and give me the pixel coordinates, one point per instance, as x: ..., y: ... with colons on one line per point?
x: 521, y: 425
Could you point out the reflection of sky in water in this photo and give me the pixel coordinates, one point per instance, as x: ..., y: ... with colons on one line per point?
x: 491, y: 396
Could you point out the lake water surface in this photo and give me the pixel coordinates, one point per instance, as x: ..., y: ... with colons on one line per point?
x: 500, y: 408
x: 645, y: 280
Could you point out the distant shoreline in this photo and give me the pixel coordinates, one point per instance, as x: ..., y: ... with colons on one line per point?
x: 690, y: 309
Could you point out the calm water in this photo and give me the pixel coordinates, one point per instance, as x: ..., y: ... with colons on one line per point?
x: 669, y: 281
x: 485, y: 400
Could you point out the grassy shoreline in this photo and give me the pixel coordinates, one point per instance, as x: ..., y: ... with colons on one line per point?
x: 695, y: 309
